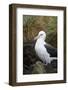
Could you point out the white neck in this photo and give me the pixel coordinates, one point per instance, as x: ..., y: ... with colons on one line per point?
x: 40, y: 41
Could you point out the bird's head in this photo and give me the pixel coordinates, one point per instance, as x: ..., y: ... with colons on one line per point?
x: 41, y: 35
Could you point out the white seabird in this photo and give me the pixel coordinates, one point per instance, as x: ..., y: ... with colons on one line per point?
x: 41, y: 50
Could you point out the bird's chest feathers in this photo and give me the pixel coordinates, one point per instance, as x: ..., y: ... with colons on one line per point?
x: 39, y: 46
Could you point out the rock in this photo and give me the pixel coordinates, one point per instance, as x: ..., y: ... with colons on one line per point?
x: 29, y: 57
x: 28, y: 54
x: 38, y: 68
x: 52, y: 68
x: 54, y: 63
x: 27, y: 69
x: 33, y: 65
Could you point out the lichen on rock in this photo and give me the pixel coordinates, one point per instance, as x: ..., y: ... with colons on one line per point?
x: 38, y: 68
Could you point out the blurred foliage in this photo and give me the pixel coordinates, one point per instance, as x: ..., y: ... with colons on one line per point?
x: 33, y: 24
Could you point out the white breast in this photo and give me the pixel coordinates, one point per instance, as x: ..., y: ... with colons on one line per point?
x: 42, y: 52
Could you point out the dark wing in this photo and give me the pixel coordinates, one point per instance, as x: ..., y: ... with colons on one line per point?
x: 51, y: 50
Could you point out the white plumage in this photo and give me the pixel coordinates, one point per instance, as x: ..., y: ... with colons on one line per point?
x: 40, y: 49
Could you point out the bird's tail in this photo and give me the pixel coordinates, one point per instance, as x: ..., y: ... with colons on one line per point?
x: 53, y: 58
x: 50, y: 59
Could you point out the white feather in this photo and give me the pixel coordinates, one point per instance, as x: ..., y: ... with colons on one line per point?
x: 40, y: 49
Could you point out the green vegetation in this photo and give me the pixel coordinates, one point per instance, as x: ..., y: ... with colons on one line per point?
x: 33, y: 24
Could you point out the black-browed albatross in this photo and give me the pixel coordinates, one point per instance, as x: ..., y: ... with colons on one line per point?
x: 43, y: 50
